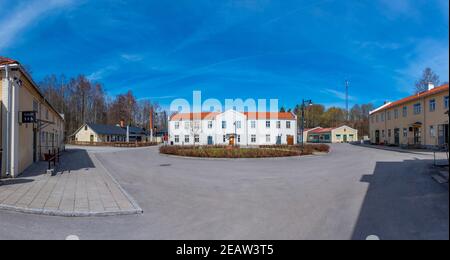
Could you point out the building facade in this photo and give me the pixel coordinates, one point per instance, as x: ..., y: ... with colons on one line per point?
x: 420, y: 120
x: 232, y: 128
x: 98, y: 133
x: 342, y: 134
x: 30, y: 126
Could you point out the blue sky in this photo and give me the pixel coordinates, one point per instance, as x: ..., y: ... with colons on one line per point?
x: 233, y: 49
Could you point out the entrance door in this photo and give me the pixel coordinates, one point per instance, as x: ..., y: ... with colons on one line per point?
x: 232, y: 140
x: 345, y: 139
x: 417, y: 135
x: 377, y: 137
x: 210, y: 140
x: 397, y: 136
x: 290, y: 140
x: 278, y: 140
x: 34, y: 145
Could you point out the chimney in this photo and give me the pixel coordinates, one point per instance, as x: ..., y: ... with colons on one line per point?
x: 430, y: 85
x: 122, y: 123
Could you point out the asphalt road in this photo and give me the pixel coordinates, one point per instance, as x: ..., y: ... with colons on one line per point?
x: 351, y: 193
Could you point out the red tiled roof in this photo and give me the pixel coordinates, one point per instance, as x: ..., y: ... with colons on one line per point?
x: 191, y: 116
x: 417, y: 96
x: 270, y: 115
x: 322, y: 130
x: 250, y: 115
x: 7, y: 61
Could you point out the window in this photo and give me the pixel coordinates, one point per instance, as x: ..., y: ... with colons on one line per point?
x: 446, y: 102
x: 224, y: 124
x: 389, y: 133
x: 267, y: 124
x: 238, y: 124
x: 85, y: 128
x: 288, y: 124
x: 186, y: 139
x: 417, y: 109
x: 338, y: 137
x: 382, y: 134
x: 396, y: 113
x: 405, y: 132
x: 210, y: 124
x: 46, y: 114
x: 405, y: 111
x: 177, y: 138
x: 373, y: 119
x: 382, y: 117
x: 432, y: 105
x: 196, y: 138
x: 278, y: 124
x: 377, y: 118
x: 197, y: 125
x: 177, y: 125
x: 187, y: 125
x: 253, y: 124
x: 253, y: 138
x: 432, y: 131
x: 389, y: 115
x: 267, y: 138
x: 35, y: 106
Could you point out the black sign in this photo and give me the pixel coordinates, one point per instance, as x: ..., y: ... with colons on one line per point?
x: 29, y: 117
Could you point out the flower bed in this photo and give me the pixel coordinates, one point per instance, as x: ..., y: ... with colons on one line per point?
x: 237, y: 152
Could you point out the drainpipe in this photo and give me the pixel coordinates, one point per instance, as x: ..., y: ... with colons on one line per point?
x: 8, y: 125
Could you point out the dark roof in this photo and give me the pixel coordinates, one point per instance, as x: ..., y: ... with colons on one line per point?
x: 107, y: 129
x: 115, y: 130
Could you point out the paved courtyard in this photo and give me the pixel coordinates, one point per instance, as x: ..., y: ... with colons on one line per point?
x: 352, y: 193
x: 79, y: 187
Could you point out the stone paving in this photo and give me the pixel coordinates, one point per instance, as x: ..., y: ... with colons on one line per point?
x: 80, y: 186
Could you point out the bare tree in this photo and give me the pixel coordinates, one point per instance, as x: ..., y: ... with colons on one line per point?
x: 428, y: 77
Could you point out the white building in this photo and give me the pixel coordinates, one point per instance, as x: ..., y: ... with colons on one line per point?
x: 232, y: 127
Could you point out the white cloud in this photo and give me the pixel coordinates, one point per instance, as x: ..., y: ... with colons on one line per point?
x: 338, y: 94
x: 428, y: 53
x: 101, y: 73
x: 131, y: 57
x: 23, y: 16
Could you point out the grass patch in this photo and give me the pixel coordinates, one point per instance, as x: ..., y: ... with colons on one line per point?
x: 237, y: 152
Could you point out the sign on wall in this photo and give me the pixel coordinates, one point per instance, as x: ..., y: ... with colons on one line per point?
x: 29, y: 117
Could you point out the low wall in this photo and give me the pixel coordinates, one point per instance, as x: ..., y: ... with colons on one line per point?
x: 114, y: 144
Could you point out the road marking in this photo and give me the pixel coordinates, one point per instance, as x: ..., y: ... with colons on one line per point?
x: 72, y: 237
x: 373, y: 238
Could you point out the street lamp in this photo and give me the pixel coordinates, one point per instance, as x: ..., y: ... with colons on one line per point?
x: 305, y: 103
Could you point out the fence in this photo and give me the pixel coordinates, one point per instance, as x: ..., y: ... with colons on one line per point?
x: 114, y: 144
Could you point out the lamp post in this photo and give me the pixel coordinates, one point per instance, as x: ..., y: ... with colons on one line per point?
x: 304, y: 104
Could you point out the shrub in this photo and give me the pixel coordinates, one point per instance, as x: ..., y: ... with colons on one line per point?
x: 227, y: 152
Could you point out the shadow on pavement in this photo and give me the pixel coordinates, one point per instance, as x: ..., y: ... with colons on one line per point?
x: 74, y: 160
x: 8, y: 182
x: 403, y: 202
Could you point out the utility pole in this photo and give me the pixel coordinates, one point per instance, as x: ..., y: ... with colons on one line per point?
x: 347, y: 117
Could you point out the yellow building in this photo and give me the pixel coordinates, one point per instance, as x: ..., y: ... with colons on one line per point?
x: 342, y: 134
x: 30, y: 126
x: 420, y: 120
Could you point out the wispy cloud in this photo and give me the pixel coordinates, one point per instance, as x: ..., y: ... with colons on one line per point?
x: 428, y: 53
x: 101, y: 73
x: 132, y: 57
x: 12, y: 25
x: 338, y: 94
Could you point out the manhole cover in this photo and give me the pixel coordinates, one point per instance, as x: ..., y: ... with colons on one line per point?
x: 165, y: 165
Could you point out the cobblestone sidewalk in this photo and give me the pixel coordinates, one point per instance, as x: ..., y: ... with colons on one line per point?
x: 80, y: 186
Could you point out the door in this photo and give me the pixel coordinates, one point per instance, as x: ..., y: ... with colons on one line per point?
x: 377, y: 137
x: 417, y: 135
x: 92, y: 138
x: 210, y: 140
x: 232, y: 140
x: 34, y: 145
x: 345, y: 139
x: 290, y: 140
x: 397, y: 136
